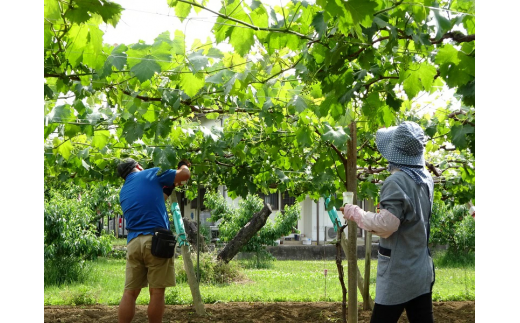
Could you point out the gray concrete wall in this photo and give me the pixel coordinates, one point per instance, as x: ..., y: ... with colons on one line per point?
x: 321, y: 252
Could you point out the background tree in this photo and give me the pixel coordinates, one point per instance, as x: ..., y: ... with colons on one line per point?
x: 233, y: 220
x: 69, y: 238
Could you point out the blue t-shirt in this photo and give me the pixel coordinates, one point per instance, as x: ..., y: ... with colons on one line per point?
x: 142, y: 201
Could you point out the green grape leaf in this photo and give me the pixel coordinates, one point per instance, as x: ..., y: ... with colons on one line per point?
x: 161, y: 51
x: 208, y: 134
x: 361, y: 11
x: 431, y: 130
x: 64, y: 148
x: 61, y: 114
x: 241, y: 39
x: 417, y: 78
x: 191, y: 84
x: 281, y: 176
x: 387, y: 116
x: 215, y: 53
x: 85, y: 164
x: 117, y: 57
x: 338, y: 137
x: 304, y: 137
x: 47, y: 92
x: 468, y: 93
x: 318, y: 22
x: 74, y: 52
x: 422, y: 39
x: 447, y: 54
x: 393, y: 101
x: 163, y: 37
x: 92, y: 55
x: 49, y: 129
x: 100, y: 139
x: 146, y: 69
x: 442, y: 24
x: 72, y: 130
x: 172, y: 98
x: 212, y: 115
x: 216, y: 78
x: 109, y: 11
x: 84, y: 153
x: 299, y: 103
x: 458, y: 135
x: 133, y: 130
x: 179, y: 43
x: 164, y: 158
x: 197, y: 61
x: 78, y: 14
x: 162, y: 128
x: 182, y: 9
x: 51, y: 10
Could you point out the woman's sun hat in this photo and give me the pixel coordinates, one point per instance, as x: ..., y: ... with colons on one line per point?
x: 402, y: 144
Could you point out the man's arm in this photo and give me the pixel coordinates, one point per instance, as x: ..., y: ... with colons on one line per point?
x: 183, y: 172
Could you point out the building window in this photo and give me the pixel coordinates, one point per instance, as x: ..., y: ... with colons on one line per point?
x: 272, y: 200
x: 287, y: 200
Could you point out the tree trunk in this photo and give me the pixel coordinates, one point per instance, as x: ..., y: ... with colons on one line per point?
x: 191, y: 234
x: 352, y: 269
x: 243, y: 236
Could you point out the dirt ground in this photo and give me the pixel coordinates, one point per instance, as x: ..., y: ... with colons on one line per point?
x: 443, y: 312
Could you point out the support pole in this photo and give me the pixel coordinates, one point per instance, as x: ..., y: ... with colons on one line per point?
x: 186, y: 256
x: 192, y: 281
x: 360, y: 280
x: 351, y: 179
x: 367, y: 305
x: 198, y: 233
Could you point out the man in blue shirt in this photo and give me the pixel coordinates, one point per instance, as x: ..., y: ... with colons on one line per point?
x: 143, y: 206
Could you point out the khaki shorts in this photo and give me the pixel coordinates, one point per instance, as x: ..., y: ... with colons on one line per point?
x: 143, y: 268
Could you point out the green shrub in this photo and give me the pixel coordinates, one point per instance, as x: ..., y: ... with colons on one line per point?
x: 453, y: 227
x: 454, y: 259
x: 117, y: 254
x: 65, y: 270
x: 212, y: 271
x: 69, y: 239
x: 83, y: 295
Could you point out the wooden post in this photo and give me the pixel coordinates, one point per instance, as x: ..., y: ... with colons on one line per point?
x: 368, y: 254
x: 351, y: 186
x: 198, y: 233
x: 192, y: 281
x: 341, y: 273
x: 360, y: 281
x: 116, y: 224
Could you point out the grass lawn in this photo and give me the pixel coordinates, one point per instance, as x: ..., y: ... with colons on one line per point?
x: 286, y: 281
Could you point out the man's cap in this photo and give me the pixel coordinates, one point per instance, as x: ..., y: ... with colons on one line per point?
x: 182, y: 162
x: 125, y: 167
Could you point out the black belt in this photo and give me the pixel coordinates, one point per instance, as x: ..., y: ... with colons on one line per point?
x: 384, y: 251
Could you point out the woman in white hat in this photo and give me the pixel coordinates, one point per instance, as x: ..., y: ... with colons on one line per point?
x: 405, y: 270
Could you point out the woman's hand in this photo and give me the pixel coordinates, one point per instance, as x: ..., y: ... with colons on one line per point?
x: 351, y: 212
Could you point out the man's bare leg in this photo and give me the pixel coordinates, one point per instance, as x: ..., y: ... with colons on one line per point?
x: 156, y: 305
x: 126, y: 309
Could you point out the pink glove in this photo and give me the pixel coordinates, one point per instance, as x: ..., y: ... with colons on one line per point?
x: 352, y: 212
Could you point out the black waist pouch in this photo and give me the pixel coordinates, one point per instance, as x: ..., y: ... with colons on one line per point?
x: 163, y: 243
